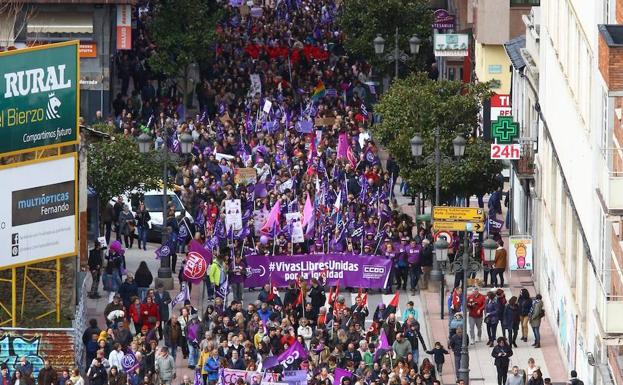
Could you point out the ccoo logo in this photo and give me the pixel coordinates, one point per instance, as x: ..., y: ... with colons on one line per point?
x: 53, y: 105
x: 289, y: 360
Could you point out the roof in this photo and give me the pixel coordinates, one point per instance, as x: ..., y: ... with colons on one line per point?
x: 513, y: 50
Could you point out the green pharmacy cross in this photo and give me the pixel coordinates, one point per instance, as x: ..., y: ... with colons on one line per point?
x: 504, y: 130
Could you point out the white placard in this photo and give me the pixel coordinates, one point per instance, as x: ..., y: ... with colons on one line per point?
x: 267, y: 106
x: 102, y: 242
x: 38, y: 217
x: 297, y: 227
x: 256, y: 85
x: 233, y: 214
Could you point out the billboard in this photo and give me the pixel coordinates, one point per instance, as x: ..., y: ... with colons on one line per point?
x: 39, y: 94
x: 39, y: 218
x: 451, y: 44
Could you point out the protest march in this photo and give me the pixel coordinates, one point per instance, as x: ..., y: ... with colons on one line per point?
x: 288, y: 199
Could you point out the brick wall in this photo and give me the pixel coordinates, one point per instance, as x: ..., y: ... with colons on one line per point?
x: 619, y: 11
x: 611, y: 64
x: 38, y: 345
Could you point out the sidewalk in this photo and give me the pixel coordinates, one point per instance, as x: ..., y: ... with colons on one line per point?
x: 482, y: 370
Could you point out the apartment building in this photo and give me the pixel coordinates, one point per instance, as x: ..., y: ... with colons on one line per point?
x: 567, y: 94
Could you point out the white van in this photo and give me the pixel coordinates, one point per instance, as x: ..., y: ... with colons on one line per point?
x: 153, y: 204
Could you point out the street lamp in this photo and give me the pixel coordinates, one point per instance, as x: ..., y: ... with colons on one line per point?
x: 490, y: 247
x: 186, y: 143
x: 396, y: 55
x: 459, y: 146
x: 145, y: 143
x: 379, y: 44
x: 441, y: 255
x: 414, y: 44
x: 417, y: 148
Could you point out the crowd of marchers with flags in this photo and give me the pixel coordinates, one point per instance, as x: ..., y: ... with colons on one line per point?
x: 282, y: 130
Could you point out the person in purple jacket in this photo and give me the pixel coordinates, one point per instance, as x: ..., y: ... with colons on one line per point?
x: 237, y: 276
x: 390, y: 254
x: 413, y: 258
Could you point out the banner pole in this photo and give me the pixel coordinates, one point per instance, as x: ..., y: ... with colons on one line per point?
x: 58, y: 290
x: 14, y: 297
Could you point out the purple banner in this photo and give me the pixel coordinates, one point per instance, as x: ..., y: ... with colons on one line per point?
x: 350, y: 269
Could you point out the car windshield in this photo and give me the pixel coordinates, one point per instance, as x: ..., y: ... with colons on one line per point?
x: 154, y: 202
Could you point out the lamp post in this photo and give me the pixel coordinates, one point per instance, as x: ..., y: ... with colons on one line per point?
x: 464, y: 363
x: 396, y: 55
x: 417, y: 147
x: 441, y: 255
x: 145, y: 143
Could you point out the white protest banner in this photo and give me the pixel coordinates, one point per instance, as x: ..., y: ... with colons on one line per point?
x: 220, y: 156
x: 259, y: 218
x: 294, y: 220
x: 233, y: 214
x: 256, y: 85
x: 267, y: 106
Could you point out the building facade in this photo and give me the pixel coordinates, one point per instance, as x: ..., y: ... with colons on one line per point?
x: 95, y: 23
x: 568, y: 187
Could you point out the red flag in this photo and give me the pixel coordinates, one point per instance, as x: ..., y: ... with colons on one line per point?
x: 271, y: 293
x: 393, y: 304
x: 364, y: 300
x: 299, y: 299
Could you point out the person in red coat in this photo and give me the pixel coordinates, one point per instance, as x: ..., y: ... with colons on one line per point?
x: 134, y: 311
x: 149, y: 313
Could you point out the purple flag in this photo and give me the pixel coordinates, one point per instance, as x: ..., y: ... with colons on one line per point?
x: 182, y: 296
x: 129, y: 363
x: 196, y: 246
x: 163, y: 251
x: 383, y: 346
x: 305, y: 126
x: 287, y: 358
x: 339, y: 374
x: 342, y: 146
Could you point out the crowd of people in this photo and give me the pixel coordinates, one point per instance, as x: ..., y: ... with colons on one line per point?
x: 283, y: 98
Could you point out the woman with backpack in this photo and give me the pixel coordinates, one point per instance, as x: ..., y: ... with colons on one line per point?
x: 536, y: 313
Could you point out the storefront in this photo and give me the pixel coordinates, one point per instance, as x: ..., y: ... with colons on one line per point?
x: 92, y: 22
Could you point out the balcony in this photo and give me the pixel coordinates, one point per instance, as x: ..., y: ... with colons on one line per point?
x: 524, y: 167
x: 610, y: 279
x: 615, y: 193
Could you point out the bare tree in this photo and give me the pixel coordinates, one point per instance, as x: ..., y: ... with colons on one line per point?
x: 14, y: 16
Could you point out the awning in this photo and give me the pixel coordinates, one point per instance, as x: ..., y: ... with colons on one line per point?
x: 61, y: 22
x: 513, y: 50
